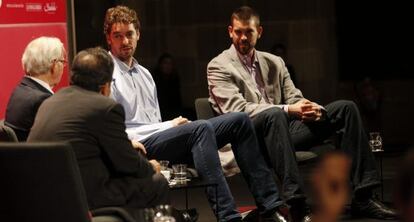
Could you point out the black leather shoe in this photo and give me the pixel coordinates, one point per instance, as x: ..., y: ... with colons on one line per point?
x: 281, y: 214
x: 307, y: 218
x: 299, y: 210
x: 190, y: 215
x: 252, y: 216
x: 372, y: 208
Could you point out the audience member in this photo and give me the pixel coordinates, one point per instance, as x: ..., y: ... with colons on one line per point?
x: 113, y: 173
x: 243, y: 79
x: 404, y: 189
x: 182, y: 141
x: 280, y: 50
x: 168, y: 87
x: 43, y: 61
x: 330, y: 186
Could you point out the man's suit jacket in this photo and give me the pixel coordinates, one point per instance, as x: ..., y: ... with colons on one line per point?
x: 94, y: 125
x: 23, y: 105
x: 233, y: 89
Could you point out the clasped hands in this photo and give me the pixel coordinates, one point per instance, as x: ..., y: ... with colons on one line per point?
x: 306, y: 111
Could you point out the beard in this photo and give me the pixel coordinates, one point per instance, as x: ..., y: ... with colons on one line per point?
x: 244, y: 48
x: 126, y: 53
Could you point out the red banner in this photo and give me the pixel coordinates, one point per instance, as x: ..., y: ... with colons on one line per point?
x: 20, y: 22
x: 34, y: 11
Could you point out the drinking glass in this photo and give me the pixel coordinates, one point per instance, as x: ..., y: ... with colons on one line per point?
x: 164, y: 169
x: 375, y: 141
x: 180, y: 173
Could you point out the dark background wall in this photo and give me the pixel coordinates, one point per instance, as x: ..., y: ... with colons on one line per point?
x: 331, y: 44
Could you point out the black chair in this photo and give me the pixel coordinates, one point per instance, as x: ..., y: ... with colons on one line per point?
x: 42, y: 182
x: 205, y: 111
x: 6, y: 133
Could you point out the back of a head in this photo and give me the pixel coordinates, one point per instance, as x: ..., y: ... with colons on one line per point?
x: 40, y: 53
x: 245, y: 13
x: 91, y: 69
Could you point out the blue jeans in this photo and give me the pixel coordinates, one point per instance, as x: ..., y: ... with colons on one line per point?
x: 197, y: 142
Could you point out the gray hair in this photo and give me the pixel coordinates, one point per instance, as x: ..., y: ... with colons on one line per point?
x: 40, y: 53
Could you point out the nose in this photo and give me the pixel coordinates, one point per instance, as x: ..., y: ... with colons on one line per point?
x: 125, y: 40
x: 243, y: 36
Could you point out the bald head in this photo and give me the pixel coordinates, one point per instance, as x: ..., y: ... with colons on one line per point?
x: 91, y: 69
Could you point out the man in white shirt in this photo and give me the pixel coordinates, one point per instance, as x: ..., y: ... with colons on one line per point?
x: 182, y: 141
x: 43, y: 61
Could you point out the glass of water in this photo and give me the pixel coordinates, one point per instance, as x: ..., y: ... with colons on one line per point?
x: 375, y: 141
x: 180, y: 173
x: 164, y: 169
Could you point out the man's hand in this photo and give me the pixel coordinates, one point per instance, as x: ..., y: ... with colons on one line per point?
x: 314, y: 114
x: 179, y: 121
x: 139, y: 147
x: 297, y: 109
x: 156, y: 166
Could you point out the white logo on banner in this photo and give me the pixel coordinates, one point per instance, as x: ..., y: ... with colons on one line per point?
x: 50, y: 7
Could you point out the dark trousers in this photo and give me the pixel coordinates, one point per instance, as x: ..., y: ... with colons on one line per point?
x: 279, y: 135
x: 198, y: 142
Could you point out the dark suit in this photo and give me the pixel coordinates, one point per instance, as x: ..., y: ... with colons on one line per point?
x: 113, y: 173
x: 23, y: 104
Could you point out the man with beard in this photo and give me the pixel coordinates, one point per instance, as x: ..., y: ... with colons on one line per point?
x: 243, y: 79
x: 182, y: 141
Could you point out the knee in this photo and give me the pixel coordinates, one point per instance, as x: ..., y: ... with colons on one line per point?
x: 274, y: 113
x: 347, y: 105
x: 238, y: 117
x: 203, y: 126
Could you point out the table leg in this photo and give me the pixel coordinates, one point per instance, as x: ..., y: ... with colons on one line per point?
x: 186, y: 198
x: 217, y: 204
x: 382, y: 179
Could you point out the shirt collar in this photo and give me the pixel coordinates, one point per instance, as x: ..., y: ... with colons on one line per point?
x: 247, y: 59
x: 42, y: 83
x: 124, y: 67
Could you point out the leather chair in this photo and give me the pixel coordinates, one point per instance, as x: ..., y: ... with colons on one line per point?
x: 205, y: 111
x: 6, y: 133
x: 42, y: 182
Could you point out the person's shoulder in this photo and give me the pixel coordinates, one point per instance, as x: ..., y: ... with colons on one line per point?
x: 270, y: 58
x: 143, y: 69
x: 221, y: 59
x: 268, y: 55
x: 25, y: 92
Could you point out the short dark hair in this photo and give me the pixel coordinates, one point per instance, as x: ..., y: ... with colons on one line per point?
x: 92, y: 68
x: 245, y: 13
x: 120, y: 14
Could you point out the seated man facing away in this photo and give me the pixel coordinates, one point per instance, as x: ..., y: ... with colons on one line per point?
x: 113, y: 173
x: 43, y: 61
x: 179, y: 140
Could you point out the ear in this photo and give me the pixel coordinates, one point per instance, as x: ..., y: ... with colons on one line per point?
x: 259, y: 31
x: 138, y: 35
x: 108, y: 39
x: 105, y: 89
x: 230, y: 30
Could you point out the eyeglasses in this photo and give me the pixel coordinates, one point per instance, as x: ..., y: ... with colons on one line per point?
x: 63, y: 61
